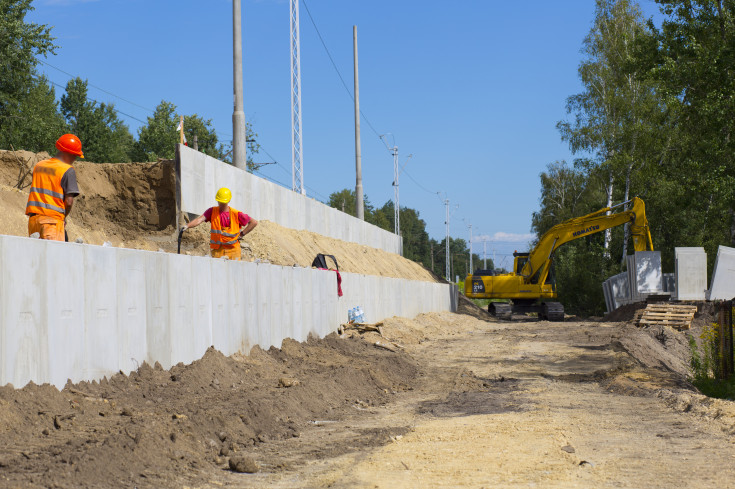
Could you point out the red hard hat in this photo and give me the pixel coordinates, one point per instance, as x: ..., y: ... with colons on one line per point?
x: 69, y: 143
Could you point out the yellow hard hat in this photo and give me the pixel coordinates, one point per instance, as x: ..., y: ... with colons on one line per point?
x: 223, y: 195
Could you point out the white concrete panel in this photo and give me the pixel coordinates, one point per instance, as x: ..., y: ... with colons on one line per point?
x: 100, y: 334
x: 24, y: 332
x: 221, y: 307
x: 255, y: 208
x: 230, y: 177
x: 302, y: 303
x: 690, y: 273
x: 281, y: 196
x: 267, y: 202
x: 182, y: 334
x: 288, y: 293
x: 250, y: 271
x: 648, y: 272
x: 237, y: 327
x: 158, y: 332
x: 276, y: 299
x: 265, y: 292
x: 132, y: 319
x: 722, y: 286
x: 201, y: 286
x: 65, y: 308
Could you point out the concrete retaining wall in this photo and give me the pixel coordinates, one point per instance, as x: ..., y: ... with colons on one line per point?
x: 199, y: 176
x: 691, y: 273
x: 81, y: 312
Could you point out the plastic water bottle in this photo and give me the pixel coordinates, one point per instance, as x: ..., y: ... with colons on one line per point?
x: 351, y: 315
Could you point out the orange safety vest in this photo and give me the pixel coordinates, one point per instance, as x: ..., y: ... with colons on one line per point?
x: 224, y: 238
x: 47, y: 196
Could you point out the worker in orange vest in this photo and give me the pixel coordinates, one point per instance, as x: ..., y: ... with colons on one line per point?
x: 53, y: 188
x: 228, y: 226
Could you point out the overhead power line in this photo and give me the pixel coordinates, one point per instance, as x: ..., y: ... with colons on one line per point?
x: 96, y: 87
x: 334, y: 65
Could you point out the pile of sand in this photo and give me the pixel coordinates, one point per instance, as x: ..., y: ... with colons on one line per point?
x: 132, y: 205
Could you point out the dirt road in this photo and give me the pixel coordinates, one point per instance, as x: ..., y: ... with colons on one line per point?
x: 531, y: 404
x: 468, y: 403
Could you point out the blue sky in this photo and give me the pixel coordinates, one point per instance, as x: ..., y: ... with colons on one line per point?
x: 473, y: 89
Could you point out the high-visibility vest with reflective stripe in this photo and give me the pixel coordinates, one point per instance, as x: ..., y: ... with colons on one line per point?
x: 226, y: 238
x: 47, y: 196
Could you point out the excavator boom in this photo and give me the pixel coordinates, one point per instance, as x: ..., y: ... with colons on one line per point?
x: 528, y: 283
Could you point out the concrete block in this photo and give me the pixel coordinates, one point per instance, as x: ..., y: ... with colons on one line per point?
x: 288, y: 293
x: 132, y: 319
x: 690, y: 273
x: 201, y: 286
x: 236, y: 331
x: 182, y: 334
x: 277, y: 304
x: 158, y: 320
x: 251, y: 307
x: 648, y: 272
x: 221, y: 306
x: 99, y: 331
x: 24, y: 333
x: 265, y: 292
x: 722, y: 286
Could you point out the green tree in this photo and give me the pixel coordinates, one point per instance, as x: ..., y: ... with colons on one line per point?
x: 29, y: 116
x: 691, y: 58
x: 612, y: 116
x: 105, y: 138
x: 158, y: 138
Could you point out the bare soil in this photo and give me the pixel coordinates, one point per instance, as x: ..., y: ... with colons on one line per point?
x: 132, y: 205
x: 464, y: 401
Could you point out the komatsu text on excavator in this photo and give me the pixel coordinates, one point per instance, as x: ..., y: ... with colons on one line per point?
x: 531, y: 286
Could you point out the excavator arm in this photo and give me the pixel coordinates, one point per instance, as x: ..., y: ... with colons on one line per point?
x: 536, y: 269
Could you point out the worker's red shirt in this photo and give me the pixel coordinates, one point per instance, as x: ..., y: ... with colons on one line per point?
x: 224, y: 218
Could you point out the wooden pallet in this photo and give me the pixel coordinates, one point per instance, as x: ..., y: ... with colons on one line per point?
x: 675, y: 315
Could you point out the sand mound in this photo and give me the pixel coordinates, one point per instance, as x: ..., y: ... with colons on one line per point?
x: 132, y: 205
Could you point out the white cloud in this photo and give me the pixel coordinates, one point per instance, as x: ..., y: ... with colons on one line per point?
x: 503, y: 237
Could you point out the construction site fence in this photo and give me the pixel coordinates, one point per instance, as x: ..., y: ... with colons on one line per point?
x: 82, y: 312
x: 199, y: 176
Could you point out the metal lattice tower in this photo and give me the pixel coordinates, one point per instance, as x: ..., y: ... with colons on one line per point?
x: 297, y: 162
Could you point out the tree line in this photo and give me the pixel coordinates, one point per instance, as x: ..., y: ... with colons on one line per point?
x: 31, y: 118
x: 417, y: 245
x: 655, y: 119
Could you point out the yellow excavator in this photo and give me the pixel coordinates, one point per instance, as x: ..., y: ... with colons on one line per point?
x: 531, y: 285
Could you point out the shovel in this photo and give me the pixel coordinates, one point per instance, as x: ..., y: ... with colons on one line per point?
x: 181, y: 235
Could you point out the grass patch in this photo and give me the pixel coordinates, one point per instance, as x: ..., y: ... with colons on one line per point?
x: 705, y: 363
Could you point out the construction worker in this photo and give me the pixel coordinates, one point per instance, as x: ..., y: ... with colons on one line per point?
x: 53, y: 188
x: 228, y: 226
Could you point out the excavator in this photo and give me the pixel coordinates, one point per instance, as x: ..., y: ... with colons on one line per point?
x: 531, y: 287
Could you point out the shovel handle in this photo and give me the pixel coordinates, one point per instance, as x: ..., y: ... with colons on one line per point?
x: 181, y: 234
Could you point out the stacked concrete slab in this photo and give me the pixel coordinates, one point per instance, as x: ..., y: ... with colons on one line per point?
x: 199, y: 177
x: 79, y: 312
x: 642, y: 278
x: 691, y: 274
x: 722, y: 286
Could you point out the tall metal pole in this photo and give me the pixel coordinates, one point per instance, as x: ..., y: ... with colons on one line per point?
x: 396, y: 203
x: 446, y: 251
x: 297, y: 161
x: 359, y: 202
x: 484, y: 254
x: 239, y: 150
x: 471, y: 269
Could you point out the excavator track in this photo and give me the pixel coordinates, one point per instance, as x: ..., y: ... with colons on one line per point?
x: 552, y: 311
x: 501, y: 310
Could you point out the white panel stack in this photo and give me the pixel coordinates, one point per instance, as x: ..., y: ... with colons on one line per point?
x: 722, y: 286
x: 691, y: 273
x: 199, y: 177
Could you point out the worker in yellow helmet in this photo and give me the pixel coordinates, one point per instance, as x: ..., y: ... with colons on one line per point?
x: 228, y: 226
